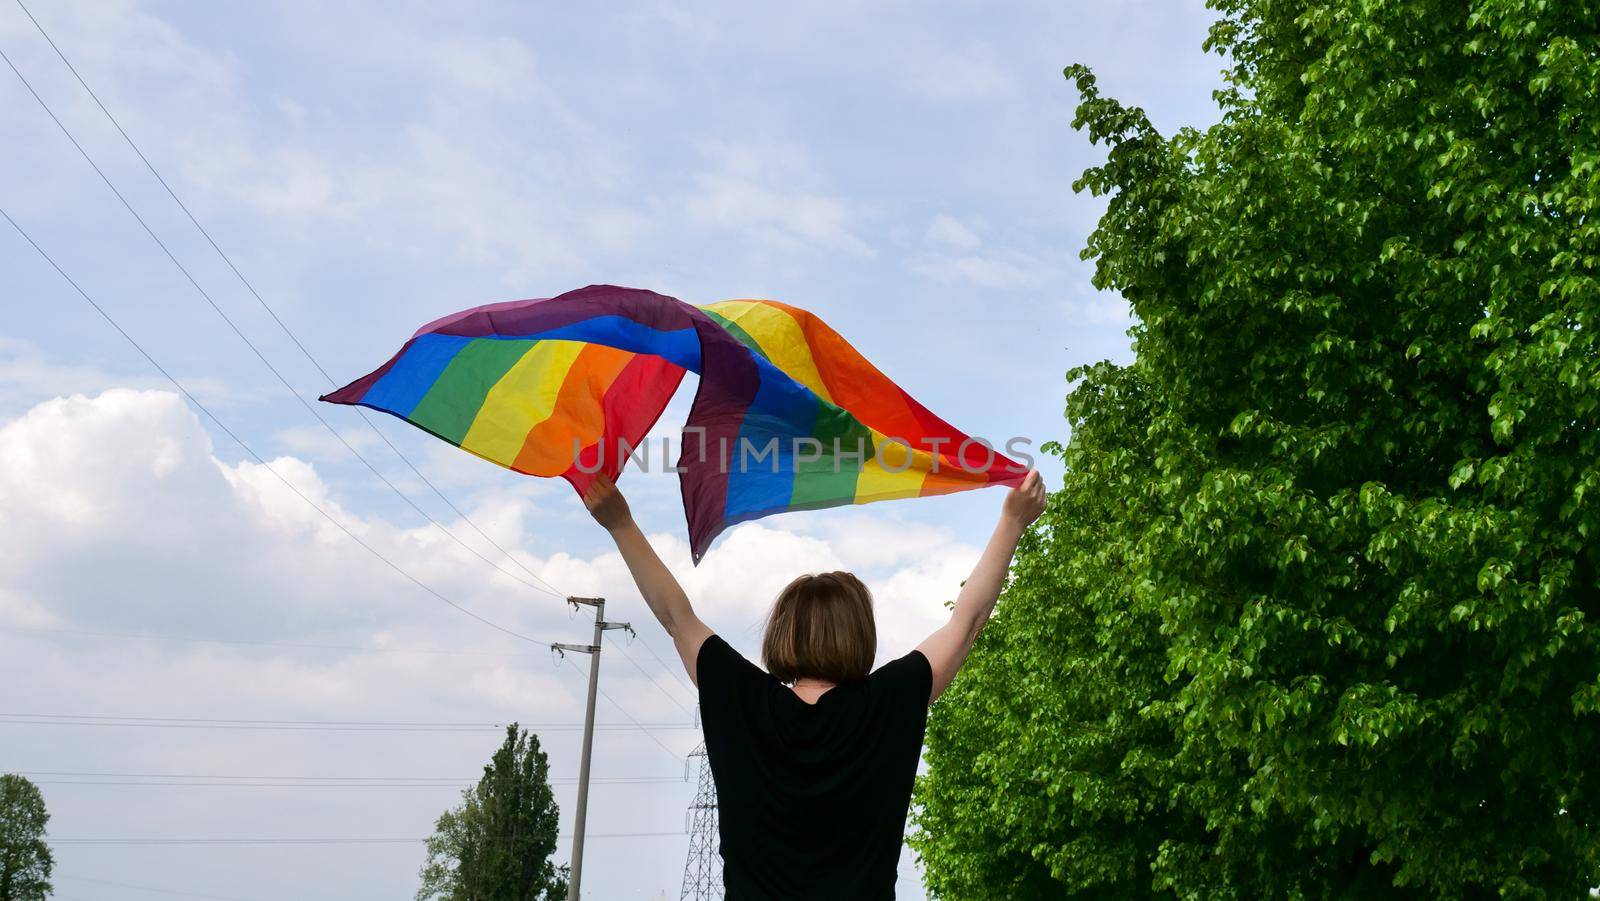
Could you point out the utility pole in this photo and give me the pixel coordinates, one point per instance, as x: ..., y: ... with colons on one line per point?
x: 593, y: 650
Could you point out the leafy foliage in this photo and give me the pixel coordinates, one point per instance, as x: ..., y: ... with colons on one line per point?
x: 25, y: 860
x: 1314, y: 611
x: 496, y: 846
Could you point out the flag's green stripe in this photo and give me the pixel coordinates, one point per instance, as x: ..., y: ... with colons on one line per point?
x: 832, y: 479
x: 735, y: 330
x: 449, y: 407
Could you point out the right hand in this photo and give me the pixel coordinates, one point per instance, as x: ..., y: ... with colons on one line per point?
x: 1026, y: 501
x: 606, y: 504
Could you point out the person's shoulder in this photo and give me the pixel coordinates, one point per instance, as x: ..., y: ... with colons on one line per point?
x: 717, y: 656
x: 713, y: 644
x: 912, y: 669
x: 911, y: 660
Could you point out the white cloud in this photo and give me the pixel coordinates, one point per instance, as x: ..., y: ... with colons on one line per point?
x: 984, y: 271
x: 119, y: 516
x: 20, y: 610
x: 499, y: 66
x: 616, y: 228
x: 451, y: 172
x: 952, y: 74
x: 954, y: 257
x: 877, y: 537
x: 1100, y: 309
x: 758, y: 190
x: 316, y: 442
x: 700, y: 30
x: 79, y: 464
x: 948, y: 230
x: 28, y: 376
x: 126, y: 483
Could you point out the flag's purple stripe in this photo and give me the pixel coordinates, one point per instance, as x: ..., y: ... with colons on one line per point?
x: 441, y: 324
x: 727, y: 388
x: 529, y: 317
x: 356, y: 390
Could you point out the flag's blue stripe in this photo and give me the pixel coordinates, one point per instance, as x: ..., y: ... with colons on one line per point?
x: 680, y: 346
x: 403, y: 386
x: 783, y: 409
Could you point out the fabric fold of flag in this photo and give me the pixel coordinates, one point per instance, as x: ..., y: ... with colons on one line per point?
x: 787, y: 416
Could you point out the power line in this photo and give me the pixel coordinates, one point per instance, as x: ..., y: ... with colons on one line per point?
x: 257, y: 457
x: 651, y: 679
x: 93, y: 774
x: 241, y: 442
x: 453, y: 786
x: 320, y: 647
x: 311, y: 841
x: 63, y: 719
x: 250, y: 344
x: 173, y: 780
x: 674, y: 671
x: 285, y: 382
x: 262, y: 301
x: 147, y: 888
x: 315, y: 646
x: 451, y: 779
x: 548, y: 587
x: 10, y: 718
x: 624, y: 711
x: 365, y: 649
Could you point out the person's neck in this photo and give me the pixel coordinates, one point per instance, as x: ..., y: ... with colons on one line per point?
x: 810, y: 689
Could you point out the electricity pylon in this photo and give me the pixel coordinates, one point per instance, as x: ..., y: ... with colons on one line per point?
x: 702, y: 874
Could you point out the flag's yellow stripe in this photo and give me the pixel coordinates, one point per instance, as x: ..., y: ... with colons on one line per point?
x: 523, y: 398
x: 781, y: 339
x: 894, y: 471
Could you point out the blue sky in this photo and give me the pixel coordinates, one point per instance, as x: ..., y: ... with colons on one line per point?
x: 903, y: 170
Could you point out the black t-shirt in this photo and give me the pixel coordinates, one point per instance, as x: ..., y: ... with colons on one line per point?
x: 811, y: 798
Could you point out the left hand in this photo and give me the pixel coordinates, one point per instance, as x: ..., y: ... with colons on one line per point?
x: 607, y: 505
x: 1026, y: 501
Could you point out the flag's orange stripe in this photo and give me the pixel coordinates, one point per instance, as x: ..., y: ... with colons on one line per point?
x: 578, y: 417
x: 854, y: 383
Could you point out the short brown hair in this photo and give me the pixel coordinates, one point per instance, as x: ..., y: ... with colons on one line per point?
x: 821, y: 627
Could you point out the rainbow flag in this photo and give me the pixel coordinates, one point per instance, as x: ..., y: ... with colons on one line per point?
x: 787, y: 416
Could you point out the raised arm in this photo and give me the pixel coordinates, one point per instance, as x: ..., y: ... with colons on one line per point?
x: 947, y: 648
x: 656, y: 583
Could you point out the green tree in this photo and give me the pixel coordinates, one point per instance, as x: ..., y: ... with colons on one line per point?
x: 1314, y: 612
x: 25, y: 860
x: 496, y: 846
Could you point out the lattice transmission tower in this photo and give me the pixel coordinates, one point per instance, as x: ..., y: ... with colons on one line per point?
x: 702, y: 873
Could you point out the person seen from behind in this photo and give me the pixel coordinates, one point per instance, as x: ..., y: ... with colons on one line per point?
x: 814, y: 758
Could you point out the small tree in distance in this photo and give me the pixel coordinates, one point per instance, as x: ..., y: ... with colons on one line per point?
x: 497, y: 845
x: 25, y: 860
